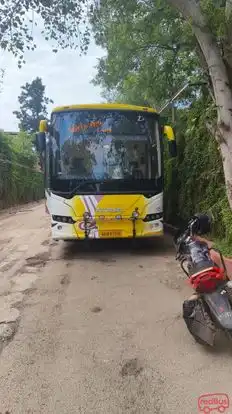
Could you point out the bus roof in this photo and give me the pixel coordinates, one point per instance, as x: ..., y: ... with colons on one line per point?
x: 109, y: 106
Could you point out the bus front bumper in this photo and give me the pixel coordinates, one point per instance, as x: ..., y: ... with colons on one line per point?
x: 125, y: 229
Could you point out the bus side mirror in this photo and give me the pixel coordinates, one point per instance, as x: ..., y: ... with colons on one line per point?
x: 43, y: 126
x: 40, y: 142
x: 172, y: 149
x: 169, y: 133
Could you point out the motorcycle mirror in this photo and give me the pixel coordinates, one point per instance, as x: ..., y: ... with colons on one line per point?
x: 202, y: 225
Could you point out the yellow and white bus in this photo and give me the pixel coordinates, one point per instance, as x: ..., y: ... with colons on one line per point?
x: 103, y: 167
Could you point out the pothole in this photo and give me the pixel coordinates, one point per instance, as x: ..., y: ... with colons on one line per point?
x: 8, y: 266
x: 45, y: 243
x: 29, y: 291
x: 93, y: 277
x: 96, y: 309
x: 39, y: 260
x: 7, y: 331
x: 131, y: 367
x: 65, y: 280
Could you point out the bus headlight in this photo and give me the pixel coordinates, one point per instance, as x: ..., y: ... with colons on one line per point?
x: 152, y: 217
x: 63, y: 219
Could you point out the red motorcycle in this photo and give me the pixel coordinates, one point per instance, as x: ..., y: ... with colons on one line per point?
x: 210, y: 307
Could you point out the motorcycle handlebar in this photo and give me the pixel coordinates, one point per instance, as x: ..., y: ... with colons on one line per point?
x: 199, y: 224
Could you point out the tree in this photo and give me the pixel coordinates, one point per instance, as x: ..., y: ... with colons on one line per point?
x: 211, y: 22
x: 164, y: 43
x: 61, y: 23
x: 33, y: 105
x: 150, y: 51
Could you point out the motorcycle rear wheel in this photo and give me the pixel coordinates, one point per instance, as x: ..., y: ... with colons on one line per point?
x: 201, y: 342
x: 229, y: 335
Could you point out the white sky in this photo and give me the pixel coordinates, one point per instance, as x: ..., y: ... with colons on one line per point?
x: 66, y: 76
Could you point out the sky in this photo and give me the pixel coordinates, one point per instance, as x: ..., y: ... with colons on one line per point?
x: 66, y: 75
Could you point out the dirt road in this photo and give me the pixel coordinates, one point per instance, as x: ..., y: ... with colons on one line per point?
x: 96, y: 331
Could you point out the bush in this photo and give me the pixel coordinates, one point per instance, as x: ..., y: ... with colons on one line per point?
x: 19, y: 180
x: 194, y: 182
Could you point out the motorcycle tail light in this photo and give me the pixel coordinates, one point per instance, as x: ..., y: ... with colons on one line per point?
x: 208, y: 280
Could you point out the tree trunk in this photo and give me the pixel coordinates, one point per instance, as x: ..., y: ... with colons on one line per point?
x: 226, y: 160
x: 223, y: 98
x: 227, y: 167
x: 220, y: 82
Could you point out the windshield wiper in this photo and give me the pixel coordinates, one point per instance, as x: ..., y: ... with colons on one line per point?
x: 82, y: 182
x: 85, y: 182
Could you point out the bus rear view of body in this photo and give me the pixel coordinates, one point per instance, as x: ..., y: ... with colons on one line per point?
x: 103, y: 167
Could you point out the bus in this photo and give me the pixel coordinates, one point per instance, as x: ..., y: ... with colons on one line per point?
x: 103, y: 171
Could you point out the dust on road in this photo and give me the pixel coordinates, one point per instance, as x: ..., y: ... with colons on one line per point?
x: 98, y: 329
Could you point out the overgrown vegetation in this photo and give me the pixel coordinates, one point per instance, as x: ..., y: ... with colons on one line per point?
x: 20, y: 178
x: 194, y: 182
x: 151, y: 51
x: 20, y: 182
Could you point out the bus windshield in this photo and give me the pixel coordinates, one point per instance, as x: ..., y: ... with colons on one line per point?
x: 105, y: 145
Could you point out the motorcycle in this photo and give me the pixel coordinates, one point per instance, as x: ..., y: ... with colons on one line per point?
x: 209, y: 310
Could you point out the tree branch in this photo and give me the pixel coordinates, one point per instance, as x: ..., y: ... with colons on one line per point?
x: 8, y: 21
x: 190, y: 10
x: 228, y: 10
x: 212, y: 53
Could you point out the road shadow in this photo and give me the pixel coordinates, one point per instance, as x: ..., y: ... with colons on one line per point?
x: 108, y: 250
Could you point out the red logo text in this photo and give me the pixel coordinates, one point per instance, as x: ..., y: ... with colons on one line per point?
x: 208, y: 403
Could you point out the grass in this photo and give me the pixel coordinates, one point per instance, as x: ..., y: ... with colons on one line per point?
x: 224, y: 246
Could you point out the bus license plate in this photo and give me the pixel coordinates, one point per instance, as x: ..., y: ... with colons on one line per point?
x: 111, y: 233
